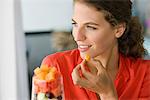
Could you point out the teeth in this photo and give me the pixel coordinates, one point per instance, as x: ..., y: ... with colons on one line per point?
x: 83, y: 46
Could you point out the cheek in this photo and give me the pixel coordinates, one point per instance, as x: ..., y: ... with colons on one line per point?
x: 104, y: 42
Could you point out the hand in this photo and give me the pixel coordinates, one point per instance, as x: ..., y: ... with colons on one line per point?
x: 95, y: 79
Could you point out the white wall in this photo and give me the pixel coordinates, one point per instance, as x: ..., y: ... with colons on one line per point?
x: 7, y: 52
x: 46, y: 14
x: 13, y: 76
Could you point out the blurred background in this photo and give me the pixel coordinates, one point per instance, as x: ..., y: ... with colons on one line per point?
x: 32, y: 29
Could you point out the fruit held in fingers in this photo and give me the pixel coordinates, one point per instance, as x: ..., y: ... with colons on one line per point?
x: 87, y: 57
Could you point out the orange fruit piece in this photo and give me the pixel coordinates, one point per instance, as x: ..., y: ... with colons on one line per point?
x: 45, y: 68
x: 37, y: 71
x: 87, y: 57
x: 41, y: 75
x: 50, y: 77
x: 53, y: 69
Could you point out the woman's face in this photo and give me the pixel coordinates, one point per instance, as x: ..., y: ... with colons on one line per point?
x: 92, y: 33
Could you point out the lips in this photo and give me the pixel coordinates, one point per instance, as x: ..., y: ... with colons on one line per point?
x: 83, y: 48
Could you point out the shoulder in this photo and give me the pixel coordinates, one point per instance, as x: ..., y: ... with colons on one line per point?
x: 142, y: 65
x: 134, y: 61
x: 136, y: 65
x: 61, y: 56
x: 139, y: 62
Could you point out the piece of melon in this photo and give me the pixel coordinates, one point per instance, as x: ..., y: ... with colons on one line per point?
x: 37, y: 71
x: 87, y: 57
x: 50, y: 77
x: 57, y: 91
x: 45, y: 68
x: 41, y: 75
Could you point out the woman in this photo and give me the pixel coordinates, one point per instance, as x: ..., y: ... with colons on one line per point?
x: 105, y: 30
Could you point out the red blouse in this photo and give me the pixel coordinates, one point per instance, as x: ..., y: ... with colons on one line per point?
x: 132, y: 81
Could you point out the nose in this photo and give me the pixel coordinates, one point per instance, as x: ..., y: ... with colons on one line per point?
x: 79, y: 34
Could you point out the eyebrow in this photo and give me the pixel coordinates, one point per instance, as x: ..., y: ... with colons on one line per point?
x: 73, y: 20
x: 87, y: 23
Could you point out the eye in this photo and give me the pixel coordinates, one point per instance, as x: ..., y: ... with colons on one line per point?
x: 91, y: 27
x: 74, y: 24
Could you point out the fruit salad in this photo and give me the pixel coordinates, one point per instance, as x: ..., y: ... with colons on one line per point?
x: 47, y: 83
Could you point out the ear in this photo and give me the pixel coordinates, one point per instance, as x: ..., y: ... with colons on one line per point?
x: 120, y: 29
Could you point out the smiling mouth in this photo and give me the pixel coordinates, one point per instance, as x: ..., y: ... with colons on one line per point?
x: 84, y: 48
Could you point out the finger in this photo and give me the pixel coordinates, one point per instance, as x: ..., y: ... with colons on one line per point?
x: 92, y: 67
x: 84, y: 83
x: 99, y: 65
x: 80, y: 81
x: 76, y: 75
x: 77, y: 80
x: 86, y: 73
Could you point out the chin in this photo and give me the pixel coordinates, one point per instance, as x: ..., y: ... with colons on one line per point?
x: 82, y: 55
x: 92, y: 55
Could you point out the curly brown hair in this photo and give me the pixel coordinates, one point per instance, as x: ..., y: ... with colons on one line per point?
x: 120, y: 11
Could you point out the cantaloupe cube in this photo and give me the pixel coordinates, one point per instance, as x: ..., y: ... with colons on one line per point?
x: 53, y: 69
x: 41, y: 75
x: 87, y: 57
x: 50, y: 77
x: 37, y: 71
x: 45, y: 68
